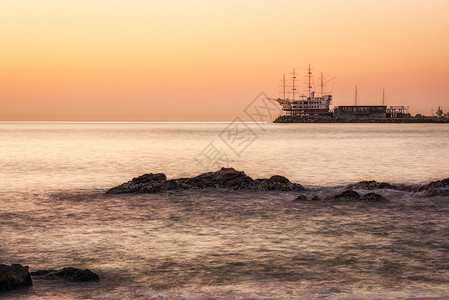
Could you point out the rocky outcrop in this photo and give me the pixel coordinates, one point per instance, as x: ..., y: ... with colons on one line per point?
x: 435, y: 188
x: 14, y: 277
x: 225, y: 178
x: 71, y: 274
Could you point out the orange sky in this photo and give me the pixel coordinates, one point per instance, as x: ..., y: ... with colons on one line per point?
x: 206, y: 60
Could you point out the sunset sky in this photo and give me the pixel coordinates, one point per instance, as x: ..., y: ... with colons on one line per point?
x: 142, y: 60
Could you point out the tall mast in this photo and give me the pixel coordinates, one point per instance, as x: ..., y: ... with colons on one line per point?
x: 309, y: 74
x: 322, y: 84
x: 383, y: 97
x: 356, y: 96
x: 283, y: 79
x: 293, y: 88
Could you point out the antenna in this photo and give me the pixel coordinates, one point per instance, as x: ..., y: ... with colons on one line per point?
x: 383, y: 97
x: 356, y: 96
x: 293, y: 88
x: 309, y: 74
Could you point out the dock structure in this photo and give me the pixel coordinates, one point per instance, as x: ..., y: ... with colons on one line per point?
x: 313, y: 106
x: 360, y: 111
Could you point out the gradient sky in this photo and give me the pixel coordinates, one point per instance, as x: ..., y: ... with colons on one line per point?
x: 206, y: 60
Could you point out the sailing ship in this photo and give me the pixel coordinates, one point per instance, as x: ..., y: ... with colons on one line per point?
x: 305, y: 104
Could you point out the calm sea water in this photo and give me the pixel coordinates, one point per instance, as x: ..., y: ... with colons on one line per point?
x: 54, y: 213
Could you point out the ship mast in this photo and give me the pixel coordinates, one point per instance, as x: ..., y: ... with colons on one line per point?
x: 356, y: 96
x: 293, y: 88
x: 283, y: 80
x: 309, y: 74
x: 383, y: 97
x: 322, y: 84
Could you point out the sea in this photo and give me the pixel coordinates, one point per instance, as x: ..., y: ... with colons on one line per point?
x: 222, y: 244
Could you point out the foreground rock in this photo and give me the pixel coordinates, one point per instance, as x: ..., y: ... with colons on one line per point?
x: 71, y: 274
x: 14, y: 277
x: 225, y: 178
x: 435, y: 188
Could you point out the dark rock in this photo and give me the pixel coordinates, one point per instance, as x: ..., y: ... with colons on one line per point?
x: 71, y: 274
x: 435, y: 188
x: 279, y: 178
x: 237, y: 263
x: 300, y: 198
x: 147, y: 183
x: 347, y: 195
x: 222, y: 179
x: 270, y: 185
x: 14, y: 277
x: 150, y: 177
x: 373, y: 197
x: 42, y: 272
x: 316, y: 198
x: 225, y: 178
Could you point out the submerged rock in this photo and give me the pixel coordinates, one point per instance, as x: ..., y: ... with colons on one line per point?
x: 371, y: 185
x: 300, y: 198
x: 373, y: 197
x: 225, y: 178
x: 71, y: 274
x: 348, y: 195
x: 14, y: 277
x: 435, y: 188
x: 374, y: 185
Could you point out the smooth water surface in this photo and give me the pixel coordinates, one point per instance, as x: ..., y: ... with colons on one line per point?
x: 53, y: 156
x: 224, y: 244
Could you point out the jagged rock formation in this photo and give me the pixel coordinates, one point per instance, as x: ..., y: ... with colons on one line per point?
x: 225, y: 178
x: 14, y: 277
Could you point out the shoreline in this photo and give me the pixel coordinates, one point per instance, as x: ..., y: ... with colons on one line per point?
x: 331, y: 119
